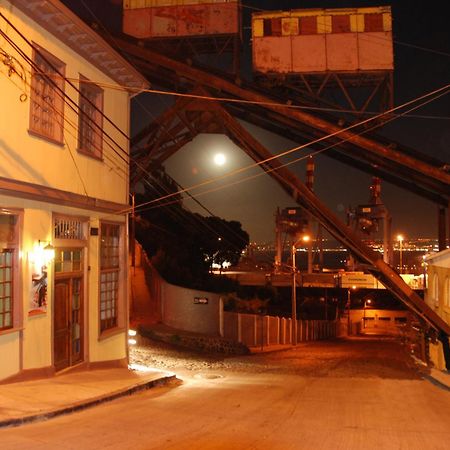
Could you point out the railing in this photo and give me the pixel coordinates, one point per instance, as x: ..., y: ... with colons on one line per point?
x: 259, y: 330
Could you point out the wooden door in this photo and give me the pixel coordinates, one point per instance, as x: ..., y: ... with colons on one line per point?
x: 61, y: 334
x: 68, y: 322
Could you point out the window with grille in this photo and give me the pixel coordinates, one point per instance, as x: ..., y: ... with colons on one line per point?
x: 9, y: 247
x: 109, y: 275
x: 6, y: 288
x: 90, y: 119
x: 46, y: 100
x: 69, y: 228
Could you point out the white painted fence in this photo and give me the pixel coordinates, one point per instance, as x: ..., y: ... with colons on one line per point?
x: 258, y: 330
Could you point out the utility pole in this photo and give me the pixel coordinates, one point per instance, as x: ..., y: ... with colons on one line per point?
x: 133, y: 233
x: 294, y: 296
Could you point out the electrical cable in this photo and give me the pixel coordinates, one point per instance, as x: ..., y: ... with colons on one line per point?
x: 287, y: 152
x: 67, y: 131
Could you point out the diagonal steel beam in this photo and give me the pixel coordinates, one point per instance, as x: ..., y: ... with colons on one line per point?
x: 292, y: 185
x: 147, y: 60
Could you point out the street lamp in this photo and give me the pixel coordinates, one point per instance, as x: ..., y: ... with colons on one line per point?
x: 400, y: 244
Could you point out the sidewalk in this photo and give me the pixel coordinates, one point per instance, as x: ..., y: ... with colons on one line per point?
x: 31, y: 401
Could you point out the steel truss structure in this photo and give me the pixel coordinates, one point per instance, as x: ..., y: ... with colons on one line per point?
x: 356, y: 147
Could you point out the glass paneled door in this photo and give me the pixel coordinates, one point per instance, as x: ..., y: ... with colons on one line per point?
x: 68, y: 308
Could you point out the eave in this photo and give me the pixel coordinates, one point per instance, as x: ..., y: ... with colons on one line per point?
x: 67, y: 27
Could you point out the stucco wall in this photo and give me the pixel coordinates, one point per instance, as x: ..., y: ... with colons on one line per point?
x: 32, y: 159
x: 179, y: 309
x: 25, y: 157
x: 437, y: 296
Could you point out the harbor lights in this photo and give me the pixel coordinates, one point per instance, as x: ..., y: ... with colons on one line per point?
x: 400, y: 247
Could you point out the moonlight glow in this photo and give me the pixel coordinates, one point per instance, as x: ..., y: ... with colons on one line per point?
x: 219, y: 159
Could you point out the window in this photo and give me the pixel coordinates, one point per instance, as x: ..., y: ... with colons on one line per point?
x: 69, y: 228
x: 308, y: 25
x: 272, y: 27
x: 373, y: 22
x: 447, y: 292
x: 47, y: 104
x: 436, y: 291
x: 340, y: 24
x: 9, y: 247
x: 109, y: 275
x: 6, y: 288
x: 68, y: 260
x: 90, y: 135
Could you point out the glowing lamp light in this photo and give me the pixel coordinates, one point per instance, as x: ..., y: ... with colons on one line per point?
x: 132, y: 332
x: 132, y: 341
x: 306, y: 238
x: 42, y: 255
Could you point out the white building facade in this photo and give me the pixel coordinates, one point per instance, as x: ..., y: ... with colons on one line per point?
x: 64, y: 171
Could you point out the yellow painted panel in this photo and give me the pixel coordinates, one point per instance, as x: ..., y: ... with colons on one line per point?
x: 258, y: 28
x: 387, y: 22
x: 353, y: 23
x: 359, y: 23
x: 324, y: 24
x: 289, y: 26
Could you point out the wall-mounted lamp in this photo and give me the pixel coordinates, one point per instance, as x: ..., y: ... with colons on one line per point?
x: 42, y: 254
x: 49, y: 253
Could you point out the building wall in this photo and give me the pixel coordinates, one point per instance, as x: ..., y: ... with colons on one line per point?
x: 437, y: 296
x: 181, y: 310
x: 24, y: 157
x: 36, y: 160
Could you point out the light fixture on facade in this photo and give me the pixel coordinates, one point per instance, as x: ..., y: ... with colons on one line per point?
x: 42, y: 254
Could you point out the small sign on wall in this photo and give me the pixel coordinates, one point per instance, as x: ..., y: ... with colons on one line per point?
x: 200, y: 300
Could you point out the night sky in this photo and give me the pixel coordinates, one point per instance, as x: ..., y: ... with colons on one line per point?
x: 254, y: 202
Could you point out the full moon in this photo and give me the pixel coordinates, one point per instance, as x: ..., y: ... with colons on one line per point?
x: 219, y: 159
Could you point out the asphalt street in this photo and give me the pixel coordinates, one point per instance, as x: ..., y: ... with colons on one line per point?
x: 345, y: 394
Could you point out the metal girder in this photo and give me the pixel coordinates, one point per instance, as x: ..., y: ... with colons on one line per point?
x: 393, y: 173
x: 308, y: 200
x: 148, y: 59
x: 293, y: 186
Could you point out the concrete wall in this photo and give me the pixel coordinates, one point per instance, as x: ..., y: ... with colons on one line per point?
x: 181, y: 310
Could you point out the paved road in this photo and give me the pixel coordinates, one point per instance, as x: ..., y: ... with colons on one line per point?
x: 356, y: 394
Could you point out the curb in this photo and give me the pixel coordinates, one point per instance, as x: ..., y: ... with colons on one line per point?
x: 80, y: 406
x: 437, y: 382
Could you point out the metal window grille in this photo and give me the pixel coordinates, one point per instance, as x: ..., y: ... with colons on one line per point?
x: 72, y: 229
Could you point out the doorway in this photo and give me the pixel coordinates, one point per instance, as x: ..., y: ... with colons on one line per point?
x: 68, y: 326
